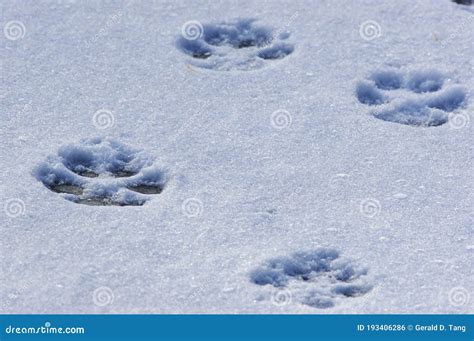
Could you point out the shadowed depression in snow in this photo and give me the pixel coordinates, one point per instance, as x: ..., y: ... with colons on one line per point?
x: 318, y: 279
x: 416, y: 98
x: 101, y: 172
x: 236, y: 157
x: 241, y: 44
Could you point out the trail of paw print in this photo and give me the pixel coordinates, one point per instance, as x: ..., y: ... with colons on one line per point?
x: 234, y: 45
x: 101, y: 172
x: 319, y: 279
x: 419, y: 98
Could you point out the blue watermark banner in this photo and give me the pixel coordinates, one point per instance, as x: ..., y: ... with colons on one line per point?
x: 237, y: 327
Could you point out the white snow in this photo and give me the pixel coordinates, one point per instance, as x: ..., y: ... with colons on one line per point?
x: 260, y: 160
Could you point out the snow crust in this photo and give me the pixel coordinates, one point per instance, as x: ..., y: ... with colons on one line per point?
x: 343, y: 126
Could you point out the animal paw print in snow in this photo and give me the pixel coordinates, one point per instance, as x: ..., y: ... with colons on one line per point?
x: 235, y: 45
x: 319, y: 279
x: 418, y: 98
x: 101, y: 172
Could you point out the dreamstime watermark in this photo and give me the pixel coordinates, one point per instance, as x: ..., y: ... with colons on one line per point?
x: 370, y: 207
x: 281, y: 297
x: 103, y: 119
x: 281, y: 119
x: 47, y: 328
x: 283, y: 28
x: 26, y: 107
x: 459, y: 120
x: 464, y: 24
x: 14, y: 295
x: 370, y: 30
x: 192, y: 207
x: 379, y: 223
x: 103, y: 296
x: 339, y: 180
x: 14, y: 30
x: 458, y: 296
x: 14, y: 207
x: 192, y: 30
x: 112, y: 20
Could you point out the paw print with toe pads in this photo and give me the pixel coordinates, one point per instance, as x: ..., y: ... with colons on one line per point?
x: 418, y: 98
x: 239, y: 44
x: 319, y: 279
x: 102, y: 172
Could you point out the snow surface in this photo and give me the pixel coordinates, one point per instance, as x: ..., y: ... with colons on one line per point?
x: 284, y: 190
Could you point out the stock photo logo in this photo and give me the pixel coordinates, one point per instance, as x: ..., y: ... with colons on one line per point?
x: 370, y: 30
x: 103, y: 296
x: 459, y: 296
x: 281, y: 297
x: 112, y: 21
x: 192, y: 30
x: 103, y: 119
x: 14, y: 30
x: 459, y: 120
x: 281, y: 119
x: 192, y: 207
x: 370, y: 207
x: 44, y: 329
x: 236, y: 45
x: 102, y: 172
x: 14, y: 208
